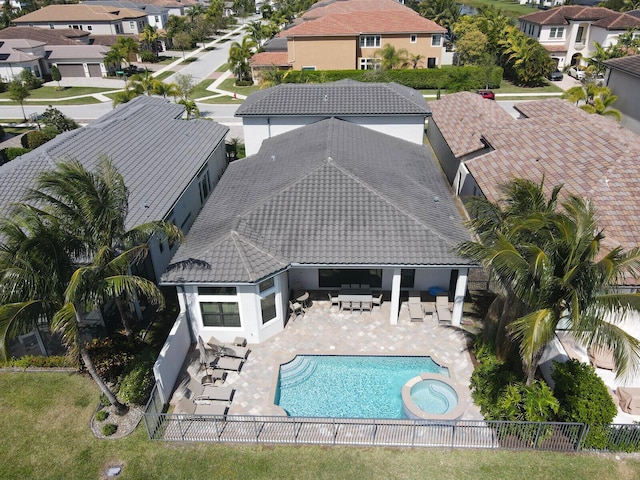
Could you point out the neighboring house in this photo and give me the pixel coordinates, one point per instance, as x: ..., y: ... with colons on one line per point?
x: 345, y: 35
x: 569, y: 32
x: 96, y: 19
x: 18, y: 55
x: 623, y: 78
x: 323, y: 205
x: 169, y: 165
x: 543, y: 3
x: 156, y: 16
x: 387, y: 108
x: 591, y: 155
x: 62, y: 36
x: 78, y: 60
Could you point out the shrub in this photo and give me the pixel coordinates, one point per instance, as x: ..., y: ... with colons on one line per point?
x: 136, y: 384
x: 148, y: 57
x: 102, y: 415
x: 190, y: 59
x: 244, y: 83
x: 40, y: 362
x: 111, y: 356
x: 104, y: 401
x: 34, y: 139
x: 109, y: 429
x: 584, y: 398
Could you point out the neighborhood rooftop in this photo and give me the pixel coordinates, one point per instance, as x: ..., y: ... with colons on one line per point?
x: 330, y: 193
x: 343, y: 98
x: 602, y: 17
x: 154, y: 149
x: 629, y: 64
x: 79, y: 12
x: 59, y: 36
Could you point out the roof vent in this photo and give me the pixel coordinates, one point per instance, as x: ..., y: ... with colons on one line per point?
x: 273, y: 158
x: 326, y: 97
x: 436, y: 199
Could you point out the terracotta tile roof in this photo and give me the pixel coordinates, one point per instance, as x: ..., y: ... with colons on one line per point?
x: 79, y: 13
x: 630, y: 64
x: 555, y: 48
x: 365, y: 22
x: 59, y: 36
x: 591, y: 155
x: 601, y: 17
x: 322, y: 9
x: 266, y: 59
x: 463, y: 117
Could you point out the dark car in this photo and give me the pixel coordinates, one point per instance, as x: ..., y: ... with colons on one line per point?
x: 487, y: 94
x: 555, y: 76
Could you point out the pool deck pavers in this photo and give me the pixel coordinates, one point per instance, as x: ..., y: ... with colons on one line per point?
x: 325, y: 330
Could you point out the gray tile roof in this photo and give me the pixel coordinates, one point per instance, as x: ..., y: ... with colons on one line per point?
x: 157, y: 153
x: 629, y: 64
x: 330, y: 193
x: 342, y: 98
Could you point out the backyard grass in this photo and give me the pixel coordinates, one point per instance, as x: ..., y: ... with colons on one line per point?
x: 52, y: 92
x: 511, y: 9
x: 166, y: 60
x: 44, y: 434
x: 164, y: 75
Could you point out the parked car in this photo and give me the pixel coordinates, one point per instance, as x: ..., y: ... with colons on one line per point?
x: 576, y: 73
x: 487, y: 94
x: 555, y: 76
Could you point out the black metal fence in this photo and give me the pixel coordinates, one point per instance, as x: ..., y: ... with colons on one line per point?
x: 364, y: 432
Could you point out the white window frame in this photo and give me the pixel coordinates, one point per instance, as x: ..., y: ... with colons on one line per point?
x: 413, y: 38
x: 132, y: 25
x: 370, y: 41
x: 556, y: 32
x: 436, y: 40
x: 365, y: 63
x: 263, y: 294
x: 208, y: 298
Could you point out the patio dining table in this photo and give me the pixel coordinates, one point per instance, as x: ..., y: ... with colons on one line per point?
x: 355, y: 299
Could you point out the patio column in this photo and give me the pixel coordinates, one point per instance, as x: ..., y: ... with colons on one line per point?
x: 395, y: 297
x: 458, y: 298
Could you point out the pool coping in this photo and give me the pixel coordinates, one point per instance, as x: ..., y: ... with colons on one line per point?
x: 276, y: 373
x: 418, y: 413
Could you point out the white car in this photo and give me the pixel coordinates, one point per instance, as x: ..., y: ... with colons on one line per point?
x: 576, y: 73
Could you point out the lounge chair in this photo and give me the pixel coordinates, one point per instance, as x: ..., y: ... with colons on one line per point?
x: 207, y: 355
x: 442, y: 308
x: 187, y: 407
x: 227, y: 349
x: 601, y: 356
x: 415, y: 312
x: 629, y: 400
x: 414, y: 297
x: 228, y: 363
x: 196, y: 392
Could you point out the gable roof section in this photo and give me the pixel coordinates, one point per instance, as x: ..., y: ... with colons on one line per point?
x: 591, y: 155
x: 330, y: 193
x: 342, y: 98
x: 267, y: 59
x: 601, y: 17
x: 363, y: 23
x: 157, y: 153
x: 630, y: 64
x: 79, y: 13
x: 61, y: 36
x: 463, y: 117
x: 64, y: 52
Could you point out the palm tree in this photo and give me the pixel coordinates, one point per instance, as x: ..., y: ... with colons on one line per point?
x: 444, y: 12
x: 256, y: 31
x: 601, y: 103
x: 143, y: 81
x: 575, y: 94
x: 190, y: 107
x: 415, y: 60
x: 126, y: 46
x: 239, y: 55
x: 113, y: 60
x: 164, y: 89
x: 93, y: 207
x: 549, y: 262
x: 149, y: 39
x: 390, y: 57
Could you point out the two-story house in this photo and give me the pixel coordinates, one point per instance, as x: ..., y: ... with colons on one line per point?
x: 346, y: 36
x: 569, y: 32
x: 97, y: 19
x: 156, y: 16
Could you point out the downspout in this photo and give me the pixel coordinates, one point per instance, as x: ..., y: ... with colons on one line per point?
x: 186, y: 310
x: 268, y: 127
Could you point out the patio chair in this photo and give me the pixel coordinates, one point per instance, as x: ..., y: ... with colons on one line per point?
x: 227, y: 349
x: 212, y: 377
x: 333, y: 300
x: 442, y: 309
x: 629, y: 400
x: 377, y: 301
x: 296, y: 308
x: 228, y: 363
x: 187, y: 407
x: 207, y: 355
x: 205, y: 394
x: 345, y: 285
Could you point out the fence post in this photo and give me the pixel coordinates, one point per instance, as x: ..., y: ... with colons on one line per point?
x: 535, y: 440
x: 583, y: 432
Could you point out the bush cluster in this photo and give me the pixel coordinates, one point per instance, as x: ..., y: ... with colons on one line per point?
x: 35, y: 138
x: 39, y: 362
x: 448, y: 77
x: 138, y: 380
x: 584, y: 398
x: 109, y: 429
x: 102, y: 415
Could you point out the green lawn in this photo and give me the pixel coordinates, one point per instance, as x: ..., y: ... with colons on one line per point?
x: 52, y: 92
x: 44, y: 432
x: 164, y: 75
x: 201, y: 89
x: 510, y: 8
x: 166, y: 60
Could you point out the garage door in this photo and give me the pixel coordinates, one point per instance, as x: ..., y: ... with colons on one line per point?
x: 71, y: 70
x: 95, y: 70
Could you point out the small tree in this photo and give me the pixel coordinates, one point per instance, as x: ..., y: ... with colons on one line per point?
x: 18, y: 93
x: 182, y: 41
x: 184, y: 85
x: 56, y: 75
x: 56, y: 120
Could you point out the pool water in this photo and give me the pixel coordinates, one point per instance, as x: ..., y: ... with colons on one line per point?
x: 348, y: 386
x: 434, y: 397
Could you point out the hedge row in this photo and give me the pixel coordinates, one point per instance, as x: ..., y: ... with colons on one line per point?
x: 448, y: 77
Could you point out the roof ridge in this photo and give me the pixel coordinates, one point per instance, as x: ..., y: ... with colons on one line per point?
x: 243, y: 239
x: 235, y: 238
x: 389, y: 201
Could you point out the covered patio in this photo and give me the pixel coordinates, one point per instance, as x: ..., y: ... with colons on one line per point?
x: 325, y: 330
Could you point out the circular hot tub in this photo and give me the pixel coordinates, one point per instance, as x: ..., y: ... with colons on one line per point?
x: 431, y: 396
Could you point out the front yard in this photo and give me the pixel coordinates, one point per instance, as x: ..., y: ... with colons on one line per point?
x: 45, y: 434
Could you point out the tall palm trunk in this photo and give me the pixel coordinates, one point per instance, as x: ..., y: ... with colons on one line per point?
x: 122, y: 303
x: 86, y: 358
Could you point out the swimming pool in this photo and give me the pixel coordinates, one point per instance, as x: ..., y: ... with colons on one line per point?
x: 348, y: 386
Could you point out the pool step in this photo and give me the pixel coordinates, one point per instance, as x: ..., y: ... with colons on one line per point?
x: 296, y: 371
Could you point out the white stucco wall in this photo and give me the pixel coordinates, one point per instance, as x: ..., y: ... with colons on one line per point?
x: 10, y: 70
x: 257, y: 129
x: 626, y: 87
x: 167, y: 367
